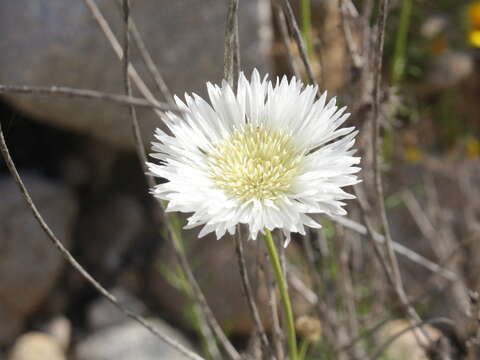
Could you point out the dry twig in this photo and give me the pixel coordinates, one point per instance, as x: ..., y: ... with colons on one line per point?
x: 297, y: 36
x: 282, y: 24
x: 277, y: 334
x: 327, y: 317
x: 87, y: 94
x: 247, y: 288
x: 352, y: 47
x: 399, y: 248
x: 106, y: 29
x: 231, y: 68
x: 150, y: 64
x: 390, y: 253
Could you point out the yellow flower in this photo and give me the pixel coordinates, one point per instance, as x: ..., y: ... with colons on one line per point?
x: 474, y: 38
x: 412, y: 154
x: 473, y: 147
x: 474, y: 18
x: 474, y: 15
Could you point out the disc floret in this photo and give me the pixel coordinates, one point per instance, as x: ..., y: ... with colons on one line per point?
x: 255, y: 162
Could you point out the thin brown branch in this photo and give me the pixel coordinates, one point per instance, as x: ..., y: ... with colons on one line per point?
x: 282, y: 24
x: 365, y: 210
x: 297, y: 36
x: 430, y: 286
x: 247, y: 288
x: 352, y: 47
x: 106, y: 29
x: 473, y: 342
x: 377, y: 75
x: 147, y: 59
x: 231, y: 67
x: 142, y: 156
x: 399, y: 248
x: 419, y: 216
x: 326, y: 316
x: 87, y: 94
x: 387, y: 259
x: 277, y: 334
x: 344, y: 282
x: 299, y: 285
x: 150, y: 64
x: 351, y: 9
x: 365, y: 333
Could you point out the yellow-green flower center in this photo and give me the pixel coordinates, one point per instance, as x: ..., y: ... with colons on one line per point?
x: 255, y: 162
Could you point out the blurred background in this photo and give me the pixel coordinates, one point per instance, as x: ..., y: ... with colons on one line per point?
x: 78, y: 159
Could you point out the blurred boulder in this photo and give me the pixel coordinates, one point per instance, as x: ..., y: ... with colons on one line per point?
x: 102, y: 313
x: 109, y: 227
x: 29, y: 264
x: 446, y: 71
x: 130, y: 341
x: 60, y: 329
x: 57, y: 42
x: 36, y: 346
x: 215, y: 266
x: 406, y: 345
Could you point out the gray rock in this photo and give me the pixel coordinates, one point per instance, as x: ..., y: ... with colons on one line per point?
x: 60, y: 329
x: 29, y: 264
x: 110, y: 225
x: 406, y: 346
x: 129, y: 341
x: 57, y: 42
x: 102, y: 313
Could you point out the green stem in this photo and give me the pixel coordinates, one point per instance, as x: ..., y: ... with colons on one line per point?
x: 306, y: 18
x: 399, y: 56
x: 303, y: 349
x: 174, y: 226
x: 282, y: 286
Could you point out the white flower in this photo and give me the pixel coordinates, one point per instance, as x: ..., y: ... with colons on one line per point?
x: 266, y: 156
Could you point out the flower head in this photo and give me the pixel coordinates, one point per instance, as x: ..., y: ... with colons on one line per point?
x: 265, y: 156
